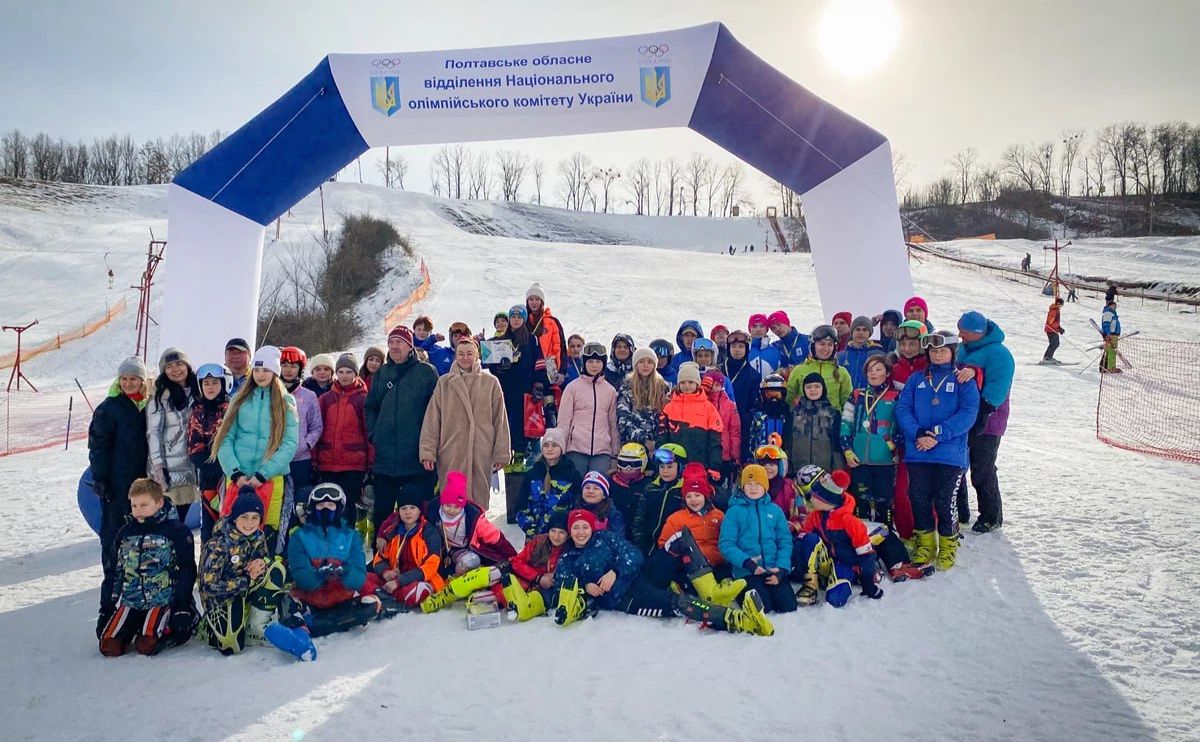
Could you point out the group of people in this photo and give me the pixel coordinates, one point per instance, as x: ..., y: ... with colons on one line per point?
x: 720, y: 478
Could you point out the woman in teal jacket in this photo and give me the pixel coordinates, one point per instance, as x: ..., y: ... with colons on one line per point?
x: 257, y: 440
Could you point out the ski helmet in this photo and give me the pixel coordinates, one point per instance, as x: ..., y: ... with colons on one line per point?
x: 941, y: 339
x: 292, y: 354
x: 670, y: 452
x: 662, y: 348
x: 910, y: 328
x: 325, y: 492
x: 704, y: 344
x: 772, y: 453
x: 632, y: 455
x: 215, y: 371
x: 771, y: 384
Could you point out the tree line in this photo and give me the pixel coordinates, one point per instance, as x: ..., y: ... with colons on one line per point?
x: 112, y: 160
x: 1124, y: 159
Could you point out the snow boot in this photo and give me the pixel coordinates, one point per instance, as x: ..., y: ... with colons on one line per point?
x: 296, y: 642
x: 723, y: 593
x: 527, y: 604
x: 809, y: 592
x: 572, y: 604
x: 459, y: 588
x: 927, y: 546
x: 982, y: 526
x: 947, y: 550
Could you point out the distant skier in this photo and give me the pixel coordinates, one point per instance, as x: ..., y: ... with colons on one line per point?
x: 1027, y: 263
x: 1110, y: 325
x: 1053, y: 330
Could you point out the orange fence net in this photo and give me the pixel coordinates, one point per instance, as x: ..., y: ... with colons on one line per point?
x: 30, y: 421
x: 400, y: 312
x: 7, y: 360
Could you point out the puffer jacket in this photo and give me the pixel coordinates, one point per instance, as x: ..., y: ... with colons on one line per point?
x: 395, y: 408
x: 745, y: 381
x: 416, y: 553
x: 995, y: 364
x: 604, y: 551
x: 764, y: 357
x: 150, y: 564
x: 343, y: 445
x: 202, y: 428
x: 853, y: 359
x: 166, y: 434
x: 694, y: 423
x: 117, y: 446
x: 224, y: 558
x: 731, y: 425
x: 636, y: 425
x: 483, y: 538
x: 543, y: 489
x: 844, y: 535
x: 755, y: 530
x: 587, y: 414
x: 705, y: 527
x: 902, y: 368
x: 539, y: 557
x: 308, y: 414
x: 837, y: 381
x: 659, y: 501
x: 869, y: 425
x: 312, y: 547
x: 245, y: 446
x: 950, y: 419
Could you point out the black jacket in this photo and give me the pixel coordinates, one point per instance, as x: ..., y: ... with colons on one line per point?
x: 117, y: 448
x: 395, y: 409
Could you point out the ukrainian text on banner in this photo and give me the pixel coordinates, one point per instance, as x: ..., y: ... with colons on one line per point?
x: 576, y: 87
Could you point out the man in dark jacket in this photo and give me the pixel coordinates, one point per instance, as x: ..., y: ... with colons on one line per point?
x: 395, y: 408
x: 117, y: 448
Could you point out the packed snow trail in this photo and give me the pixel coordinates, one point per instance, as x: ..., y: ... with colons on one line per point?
x: 1077, y: 621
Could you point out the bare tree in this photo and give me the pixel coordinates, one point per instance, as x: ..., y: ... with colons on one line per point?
x: 941, y: 192
x: 638, y: 185
x: 127, y: 157
x: 1017, y: 162
x: 987, y: 184
x: 712, y: 185
x: 963, y: 165
x: 1072, y: 141
x: 1043, y: 160
x: 1118, y: 141
x: 393, y: 169
x: 733, y: 179
x: 574, y: 175
x: 1094, y: 168
x: 695, y: 174
x: 153, y: 164
x: 1144, y: 161
x: 538, y: 169
x: 513, y: 165
x: 605, y: 177
x: 45, y: 156
x: 105, y: 161
x: 789, y: 202
x: 672, y: 175
x: 479, y: 175
x: 74, y: 163
x: 901, y: 168
x: 14, y: 153
x: 441, y: 171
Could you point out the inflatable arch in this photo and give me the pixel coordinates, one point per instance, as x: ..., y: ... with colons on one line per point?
x: 699, y: 77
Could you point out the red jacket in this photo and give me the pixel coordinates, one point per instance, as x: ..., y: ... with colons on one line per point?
x: 845, y: 536
x: 538, y: 558
x: 343, y: 445
x: 902, y: 368
x: 731, y: 424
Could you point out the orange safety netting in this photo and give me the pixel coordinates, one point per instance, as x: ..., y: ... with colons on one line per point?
x: 30, y: 421
x: 57, y: 342
x: 400, y: 312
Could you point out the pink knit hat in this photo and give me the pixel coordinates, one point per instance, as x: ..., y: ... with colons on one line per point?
x: 455, y: 491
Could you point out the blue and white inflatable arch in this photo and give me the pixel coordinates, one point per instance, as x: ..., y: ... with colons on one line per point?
x: 700, y: 77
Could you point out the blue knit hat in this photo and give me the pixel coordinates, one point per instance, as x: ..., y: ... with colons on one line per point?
x: 247, y: 501
x: 973, y: 322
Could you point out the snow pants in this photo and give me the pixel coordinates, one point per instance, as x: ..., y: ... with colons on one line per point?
x: 874, y: 487
x: 932, y: 489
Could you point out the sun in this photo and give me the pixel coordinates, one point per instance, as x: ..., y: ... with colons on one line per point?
x: 858, y: 36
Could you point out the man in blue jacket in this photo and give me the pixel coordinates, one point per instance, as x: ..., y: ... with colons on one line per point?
x: 984, y: 352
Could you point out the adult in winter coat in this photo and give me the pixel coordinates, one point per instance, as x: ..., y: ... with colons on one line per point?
x: 792, y: 344
x: 167, y: 415
x: 620, y: 359
x: 466, y: 426
x: 587, y: 415
x: 936, y: 411
x: 292, y: 361
x: 395, y: 409
x: 745, y: 381
x: 822, y: 360
x: 983, y: 349
x: 763, y: 355
x: 344, y: 453
x: 117, y: 447
x: 640, y: 401
x: 518, y: 376
x: 548, y: 330
x: 688, y: 331
x: 257, y: 440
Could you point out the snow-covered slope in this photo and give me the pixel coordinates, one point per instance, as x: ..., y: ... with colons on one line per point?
x: 1078, y: 621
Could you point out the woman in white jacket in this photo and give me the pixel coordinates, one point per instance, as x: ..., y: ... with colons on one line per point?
x: 167, y: 414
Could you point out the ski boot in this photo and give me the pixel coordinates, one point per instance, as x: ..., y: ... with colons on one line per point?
x: 927, y: 547
x: 947, y: 551
x: 749, y: 619
x: 572, y: 604
x: 459, y: 588
x: 700, y: 572
x: 810, y: 591
x: 295, y: 641
x: 528, y: 604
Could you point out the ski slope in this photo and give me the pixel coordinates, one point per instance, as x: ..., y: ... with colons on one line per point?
x: 1077, y: 621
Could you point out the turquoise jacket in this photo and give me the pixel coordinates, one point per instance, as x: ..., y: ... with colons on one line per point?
x: 244, y: 448
x: 758, y: 530
x: 869, y: 425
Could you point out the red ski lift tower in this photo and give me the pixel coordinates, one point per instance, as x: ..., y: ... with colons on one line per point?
x: 1054, y: 280
x: 17, y: 374
x: 154, y: 256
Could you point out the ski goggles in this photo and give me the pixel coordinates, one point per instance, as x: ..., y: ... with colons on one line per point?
x: 771, y: 454
x: 593, y: 350
x: 634, y: 464
x: 824, y: 332
x: 909, y: 333
x: 938, y: 340
x: 737, y: 336
x: 665, y: 456
x: 662, y: 351
x: 326, y: 493
x: 212, y: 371
x: 700, y: 344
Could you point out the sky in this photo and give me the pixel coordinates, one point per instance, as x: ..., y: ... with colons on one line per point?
x: 965, y: 73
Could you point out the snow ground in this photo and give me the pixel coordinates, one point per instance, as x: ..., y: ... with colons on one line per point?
x: 1078, y: 621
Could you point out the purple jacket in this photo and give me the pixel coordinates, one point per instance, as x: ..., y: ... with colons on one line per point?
x: 998, y: 421
x: 308, y: 409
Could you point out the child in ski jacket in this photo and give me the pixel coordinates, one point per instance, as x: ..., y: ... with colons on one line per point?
x: 822, y: 359
x: 594, y: 497
x: 550, y: 484
x: 867, y: 439
x: 469, y: 539
x: 662, y: 497
x: 816, y: 425
x: 772, y: 418
x: 731, y: 424
x: 534, y: 565
x: 832, y: 527
x: 692, y: 421
x: 756, y: 541
x: 413, y: 554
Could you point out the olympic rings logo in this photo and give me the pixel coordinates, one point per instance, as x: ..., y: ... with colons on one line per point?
x: 654, y: 50
x: 386, y: 63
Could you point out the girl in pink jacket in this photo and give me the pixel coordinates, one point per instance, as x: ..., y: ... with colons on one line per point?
x: 587, y: 415
x: 731, y: 424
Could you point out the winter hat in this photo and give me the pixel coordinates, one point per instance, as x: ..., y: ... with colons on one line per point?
x: 893, y: 315
x: 641, y: 353
x: 862, y: 321
x: 688, y: 371
x: 402, y: 332
x: 815, y: 378
x: 322, y: 359
x: 133, y: 366
x: 757, y: 474
x: 171, y: 355
x: 536, y: 290
x: 758, y: 318
x: 778, y: 317
x: 712, y: 380
x: 237, y: 344
x: 580, y: 514
x: 347, y: 360
x: 455, y: 491
x: 598, y: 479
x: 662, y: 348
x: 374, y: 352
x: 831, y: 488
x: 693, y: 483
x: 843, y: 316
x: 461, y: 328
x: 267, y: 357
x: 916, y: 301
x: 712, y: 334
x: 499, y: 315
x: 518, y: 311
x: 694, y: 470
x: 414, y: 493
x: 556, y: 436
x: 247, y: 501
x: 973, y: 322
x: 558, y: 519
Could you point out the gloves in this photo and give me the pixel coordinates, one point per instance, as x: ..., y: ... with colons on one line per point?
x: 101, y: 490
x: 981, y: 421
x: 182, y: 621
x: 102, y: 620
x: 1062, y: 331
x: 872, y: 591
x: 671, y: 542
x: 330, y: 569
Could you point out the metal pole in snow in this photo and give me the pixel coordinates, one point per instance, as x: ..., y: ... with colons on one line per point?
x: 70, y: 409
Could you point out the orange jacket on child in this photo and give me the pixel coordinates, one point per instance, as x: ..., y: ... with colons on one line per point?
x: 705, y: 527
x: 417, y: 550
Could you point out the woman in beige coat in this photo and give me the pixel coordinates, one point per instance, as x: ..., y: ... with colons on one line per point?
x: 466, y: 426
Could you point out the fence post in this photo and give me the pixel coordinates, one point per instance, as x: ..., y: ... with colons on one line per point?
x: 70, y: 409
